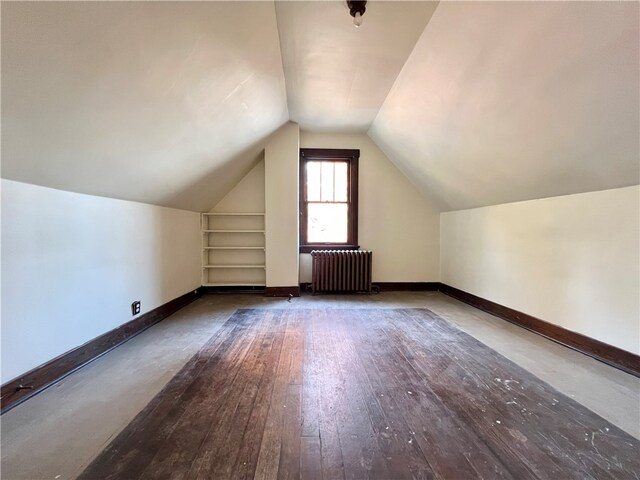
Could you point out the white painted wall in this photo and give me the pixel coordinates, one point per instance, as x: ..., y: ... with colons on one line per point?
x: 72, y: 264
x: 571, y: 260
x: 281, y: 164
x: 247, y: 196
x: 394, y: 220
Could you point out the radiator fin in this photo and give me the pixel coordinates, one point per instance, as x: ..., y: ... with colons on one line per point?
x: 341, y: 271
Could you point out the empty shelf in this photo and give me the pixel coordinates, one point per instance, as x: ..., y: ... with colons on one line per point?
x: 234, y: 248
x: 233, y: 231
x: 250, y: 214
x: 233, y: 266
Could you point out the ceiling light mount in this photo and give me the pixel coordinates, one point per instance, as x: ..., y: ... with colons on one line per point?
x: 357, y: 9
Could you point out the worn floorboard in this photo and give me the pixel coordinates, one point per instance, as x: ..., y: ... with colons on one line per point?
x: 367, y: 393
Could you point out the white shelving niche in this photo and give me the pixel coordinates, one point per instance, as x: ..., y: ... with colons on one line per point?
x: 233, y: 249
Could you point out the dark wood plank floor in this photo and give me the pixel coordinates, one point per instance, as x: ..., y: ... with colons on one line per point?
x: 387, y: 394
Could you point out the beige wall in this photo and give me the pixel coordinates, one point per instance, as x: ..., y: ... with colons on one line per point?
x: 281, y: 167
x: 72, y: 264
x: 572, y: 260
x: 394, y: 220
x: 247, y: 196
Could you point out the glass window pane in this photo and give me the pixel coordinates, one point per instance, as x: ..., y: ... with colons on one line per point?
x: 313, y: 181
x: 327, y: 222
x: 327, y: 182
x: 341, y: 182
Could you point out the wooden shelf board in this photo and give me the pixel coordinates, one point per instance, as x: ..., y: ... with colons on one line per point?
x: 233, y: 231
x: 241, y: 214
x: 234, y: 248
x: 242, y: 284
x: 233, y: 266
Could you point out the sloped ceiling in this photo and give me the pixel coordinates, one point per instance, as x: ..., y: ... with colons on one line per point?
x: 508, y: 101
x: 337, y: 75
x: 172, y: 103
x: 165, y: 103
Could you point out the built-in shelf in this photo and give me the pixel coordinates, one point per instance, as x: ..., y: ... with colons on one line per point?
x: 234, y: 248
x: 229, y: 265
x: 233, y: 214
x: 233, y: 231
x: 233, y: 266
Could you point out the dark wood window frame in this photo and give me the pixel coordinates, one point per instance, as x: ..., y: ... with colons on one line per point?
x: 351, y: 156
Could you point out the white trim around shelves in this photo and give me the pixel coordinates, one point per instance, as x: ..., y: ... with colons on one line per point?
x: 233, y: 231
x: 234, y: 248
x: 239, y: 214
x: 233, y: 266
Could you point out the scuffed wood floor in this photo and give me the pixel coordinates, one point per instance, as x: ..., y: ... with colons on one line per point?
x: 389, y: 394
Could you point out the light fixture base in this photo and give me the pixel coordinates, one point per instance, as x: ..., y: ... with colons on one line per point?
x: 357, y: 9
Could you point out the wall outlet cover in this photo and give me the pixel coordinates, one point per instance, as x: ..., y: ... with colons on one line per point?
x: 135, y: 307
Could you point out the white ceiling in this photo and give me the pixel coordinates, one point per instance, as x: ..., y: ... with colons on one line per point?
x: 508, y: 101
x: 337, y: 75
x: 171, y: 103
x: 165, y: 103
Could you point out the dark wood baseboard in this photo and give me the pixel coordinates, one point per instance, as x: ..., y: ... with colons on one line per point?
x: 26, y: 386
x: 604, y: 352
x: 233, y: 289
x: 20, y: 389
x: 282, y: 291
x: 393, y: 287
x: 407, y: 286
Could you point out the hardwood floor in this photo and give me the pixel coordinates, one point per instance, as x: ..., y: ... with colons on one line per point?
x: 384, y: 393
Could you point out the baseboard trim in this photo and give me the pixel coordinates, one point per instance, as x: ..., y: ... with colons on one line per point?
x: 392, y: 287
x: 40, y: 378
x: 233, y: 289
x: 282, y: 291
x: 407, y: 286
x: 604, y: 352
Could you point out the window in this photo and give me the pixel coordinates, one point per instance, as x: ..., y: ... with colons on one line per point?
x: 328, y: 199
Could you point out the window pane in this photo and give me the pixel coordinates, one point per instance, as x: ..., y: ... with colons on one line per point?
x: 327, y: 181
x: 341, y: 182
x: 327, y: 222
x: 313, y: 181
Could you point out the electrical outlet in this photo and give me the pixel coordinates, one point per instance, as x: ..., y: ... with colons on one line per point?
x: 135, y: 307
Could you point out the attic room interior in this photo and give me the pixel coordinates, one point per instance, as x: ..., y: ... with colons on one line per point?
x: 320, y: 240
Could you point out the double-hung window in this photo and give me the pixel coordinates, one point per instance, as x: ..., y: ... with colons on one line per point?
x: 328, y: 199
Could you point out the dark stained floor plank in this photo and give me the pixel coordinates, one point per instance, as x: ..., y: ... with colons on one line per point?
x: 569, y: 431
x: 236, y: 432
x: 361, y: 454
x: 135, y: 447
x: 330, y: 448
x: 403, y: 456
x: 289, y: 464
x: 430, y: 423
x: 175, y: 459
x: 342, y: 394
x: 247, y: 460
x: 269, y: 454
x: 311, y: 392
x: 310, y: 459
x: 487, y: 421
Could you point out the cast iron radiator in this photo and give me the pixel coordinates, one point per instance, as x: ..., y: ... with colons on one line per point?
x: 341, y: 271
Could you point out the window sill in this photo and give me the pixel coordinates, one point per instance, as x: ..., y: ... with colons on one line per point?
x: 331, y: 246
